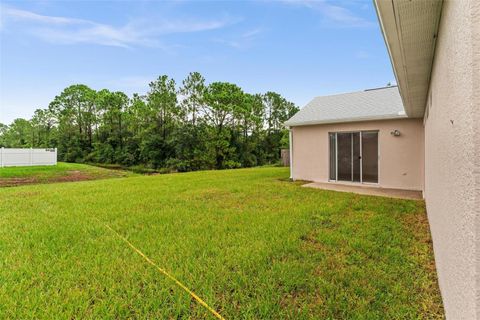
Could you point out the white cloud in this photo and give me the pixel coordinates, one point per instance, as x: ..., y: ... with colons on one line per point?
x: 17, y: 14
x: 65, y: 30
x: 243, y: 41
x: 332, y: 12
x: 252, y: 33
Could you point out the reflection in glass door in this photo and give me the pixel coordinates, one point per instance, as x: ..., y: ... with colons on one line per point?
x: 354, y: 156
x: 344, y: 152
x: 370, y: 157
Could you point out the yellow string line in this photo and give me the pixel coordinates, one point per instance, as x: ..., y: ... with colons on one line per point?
x: 164, y: 272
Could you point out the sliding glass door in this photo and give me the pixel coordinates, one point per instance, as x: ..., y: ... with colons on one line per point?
x: 354, y: 156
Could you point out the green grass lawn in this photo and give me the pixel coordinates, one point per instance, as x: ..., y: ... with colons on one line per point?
x: 62, y: 172
x: 248, y: 242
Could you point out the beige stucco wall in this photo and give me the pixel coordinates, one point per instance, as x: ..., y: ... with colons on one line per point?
x: 476, y: 133
x: 400, y: 158
x: 452, y: 163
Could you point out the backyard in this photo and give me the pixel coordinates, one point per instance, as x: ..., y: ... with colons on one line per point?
x: 249, y: 242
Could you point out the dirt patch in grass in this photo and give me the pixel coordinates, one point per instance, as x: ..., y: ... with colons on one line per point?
x: 12, y: 182
x: 86, y: 173
x: 69, y: 177
x: 74, y: 176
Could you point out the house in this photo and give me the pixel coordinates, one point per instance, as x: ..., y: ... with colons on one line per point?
x: 359, y: 137
x: 434, y: 47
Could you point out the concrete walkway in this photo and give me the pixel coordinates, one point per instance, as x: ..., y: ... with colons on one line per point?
x: 367, y: 190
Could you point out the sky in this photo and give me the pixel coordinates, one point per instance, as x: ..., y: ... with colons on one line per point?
x: 298, y: 48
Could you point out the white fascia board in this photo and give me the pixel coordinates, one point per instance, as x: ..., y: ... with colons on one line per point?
x: 347, y: 120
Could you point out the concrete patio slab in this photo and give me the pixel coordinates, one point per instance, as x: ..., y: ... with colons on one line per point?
x: 367, y: 190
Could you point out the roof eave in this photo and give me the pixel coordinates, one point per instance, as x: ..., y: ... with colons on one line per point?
x: 413, y: 88
x: 334, y: 121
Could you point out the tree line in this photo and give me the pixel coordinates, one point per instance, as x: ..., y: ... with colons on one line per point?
x: 191, y: 127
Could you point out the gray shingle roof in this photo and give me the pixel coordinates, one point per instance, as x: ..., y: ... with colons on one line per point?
x: 372, y: 104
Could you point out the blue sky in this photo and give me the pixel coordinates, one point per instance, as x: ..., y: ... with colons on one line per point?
x: 299, y: 49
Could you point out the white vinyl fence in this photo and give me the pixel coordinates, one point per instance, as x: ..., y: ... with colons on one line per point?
x: 11, y: 157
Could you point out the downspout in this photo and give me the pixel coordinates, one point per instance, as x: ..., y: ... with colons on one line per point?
x: 290, y: 147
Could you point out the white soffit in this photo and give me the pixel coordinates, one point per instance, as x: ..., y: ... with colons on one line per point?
x: 410, y: 29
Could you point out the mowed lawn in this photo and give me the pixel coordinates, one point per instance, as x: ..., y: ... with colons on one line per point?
x: 250, y: 243
x: 62, y: 172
